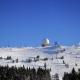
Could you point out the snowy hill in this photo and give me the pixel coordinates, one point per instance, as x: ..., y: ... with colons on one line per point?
x: 59, y: 59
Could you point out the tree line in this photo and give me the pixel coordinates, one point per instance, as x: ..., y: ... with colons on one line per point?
x: 72, y: 76
x: 22, y: 73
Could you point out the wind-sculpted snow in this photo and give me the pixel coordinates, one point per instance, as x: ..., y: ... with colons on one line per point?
x: 59, y: 59
x: 51, y: 49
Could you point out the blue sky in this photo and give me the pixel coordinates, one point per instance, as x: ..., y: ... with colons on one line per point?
x: 28, y: 22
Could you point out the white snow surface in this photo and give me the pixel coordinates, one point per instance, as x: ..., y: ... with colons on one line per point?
x: 71, y: 56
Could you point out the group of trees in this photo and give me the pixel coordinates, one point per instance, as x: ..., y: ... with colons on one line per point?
x: 22, y: 73
x: 72, y: 76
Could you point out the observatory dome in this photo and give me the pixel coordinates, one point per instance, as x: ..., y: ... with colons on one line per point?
x: 45, y: 42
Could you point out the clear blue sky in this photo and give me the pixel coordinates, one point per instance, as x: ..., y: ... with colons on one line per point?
x: 27, y: 22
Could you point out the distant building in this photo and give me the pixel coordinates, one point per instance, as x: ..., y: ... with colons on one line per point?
x: 45, y: 42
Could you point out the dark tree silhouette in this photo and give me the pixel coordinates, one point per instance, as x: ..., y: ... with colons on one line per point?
x: 22, y: 73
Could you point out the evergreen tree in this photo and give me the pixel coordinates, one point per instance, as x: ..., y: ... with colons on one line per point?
x: 22, y: 73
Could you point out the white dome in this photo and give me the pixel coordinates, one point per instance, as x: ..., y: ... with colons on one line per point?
x: 46, y: 42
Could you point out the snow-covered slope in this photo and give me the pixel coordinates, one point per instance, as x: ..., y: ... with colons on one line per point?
x: 59, y: 59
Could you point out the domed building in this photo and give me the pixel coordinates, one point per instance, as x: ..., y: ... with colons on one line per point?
x: 45, y: 42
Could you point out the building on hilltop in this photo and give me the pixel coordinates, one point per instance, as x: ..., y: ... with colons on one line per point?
x: 45, y: 42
